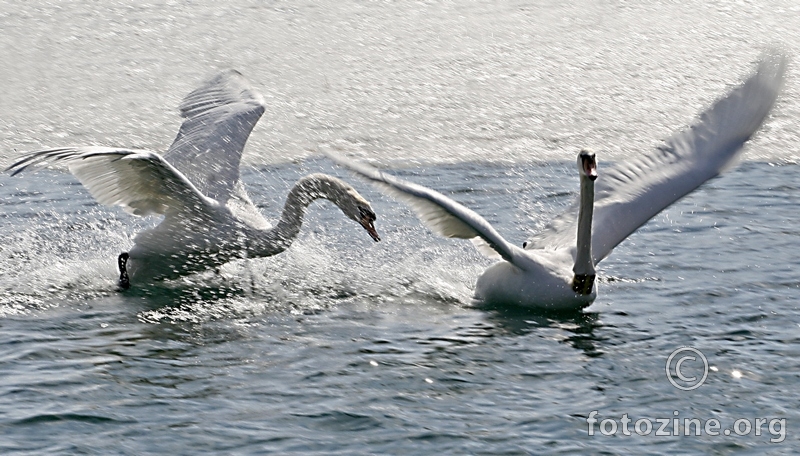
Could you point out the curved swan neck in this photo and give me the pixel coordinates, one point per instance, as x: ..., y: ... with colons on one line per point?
x: 584, y: 265
x: 305, y: 191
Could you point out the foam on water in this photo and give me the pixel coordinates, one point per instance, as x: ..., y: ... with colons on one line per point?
x: 65, y: 252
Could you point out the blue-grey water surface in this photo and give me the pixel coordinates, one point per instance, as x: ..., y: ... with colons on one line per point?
x: 344, y: 346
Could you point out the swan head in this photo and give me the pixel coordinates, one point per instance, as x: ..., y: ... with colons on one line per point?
x: 587, y: 164
x: 357, y: 208
x: 367, y: 220
x: 351, y: 203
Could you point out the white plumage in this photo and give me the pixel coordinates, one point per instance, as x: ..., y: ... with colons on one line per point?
x: 555, y: 270
x: 208, y: 217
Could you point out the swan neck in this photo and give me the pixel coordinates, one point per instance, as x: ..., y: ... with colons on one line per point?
x: 584, y: 264
x: 303, y: 193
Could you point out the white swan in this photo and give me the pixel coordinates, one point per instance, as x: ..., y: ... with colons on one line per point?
x: 208, y: 217
x: 556, y: 270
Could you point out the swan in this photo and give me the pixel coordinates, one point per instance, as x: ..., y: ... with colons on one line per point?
x: 208, y: 217
x: 556, y: 269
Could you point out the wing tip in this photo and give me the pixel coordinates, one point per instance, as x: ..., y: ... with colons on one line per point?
x: 226, y: 87
x: 771, y: 69
x: 40, y: 158
x: 363, y: 169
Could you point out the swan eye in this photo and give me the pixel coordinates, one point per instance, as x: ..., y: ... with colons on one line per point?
x: 367, y: 214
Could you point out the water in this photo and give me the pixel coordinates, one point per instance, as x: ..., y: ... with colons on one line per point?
x: 344, y: 346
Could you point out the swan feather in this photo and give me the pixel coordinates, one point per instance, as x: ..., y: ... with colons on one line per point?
x: 630, y: 194
x: 139, y: 181
x: 219, y: 117
x: 439, y: 213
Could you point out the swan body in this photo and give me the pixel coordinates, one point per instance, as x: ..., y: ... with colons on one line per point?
x: 556, y: 269
x: 542, y: 279
x: 208, y: 217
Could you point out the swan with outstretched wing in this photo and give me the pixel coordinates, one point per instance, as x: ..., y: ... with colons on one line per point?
x: 208, y: 217
x: 556, y: 269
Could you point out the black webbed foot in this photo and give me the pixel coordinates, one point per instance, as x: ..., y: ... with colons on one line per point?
x: 122, y: 262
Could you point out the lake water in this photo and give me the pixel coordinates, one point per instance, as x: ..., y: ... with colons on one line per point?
x: 344, y: 346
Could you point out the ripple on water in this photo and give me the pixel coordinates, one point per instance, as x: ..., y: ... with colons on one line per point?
x: 347, y: 344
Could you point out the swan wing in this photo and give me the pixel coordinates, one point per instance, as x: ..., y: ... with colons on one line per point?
x: 438, y: 212
x: 219, y: 116
x: 629, y: 195
x: 139, y: 181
